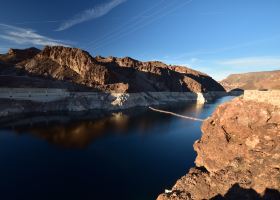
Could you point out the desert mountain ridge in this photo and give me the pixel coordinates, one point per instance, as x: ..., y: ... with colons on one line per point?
x: 74, y: 68
x: 253, y: 81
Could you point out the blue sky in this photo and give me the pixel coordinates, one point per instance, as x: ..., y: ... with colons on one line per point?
x: 218, y: 37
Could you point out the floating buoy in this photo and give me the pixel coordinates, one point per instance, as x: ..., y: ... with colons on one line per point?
x: 175, y: 114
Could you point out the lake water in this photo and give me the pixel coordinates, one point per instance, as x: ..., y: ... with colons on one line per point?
x: 126, y: 156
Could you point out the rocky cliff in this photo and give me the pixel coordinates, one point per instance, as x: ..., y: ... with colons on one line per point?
x: 253, y: 81
x: 15, y: 56
x: 238, y: 155
x: 109, y: 74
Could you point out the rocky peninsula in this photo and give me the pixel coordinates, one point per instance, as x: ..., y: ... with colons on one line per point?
x: 238, y: 155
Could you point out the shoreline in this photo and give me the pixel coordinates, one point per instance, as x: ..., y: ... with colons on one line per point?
x: 23, y: 101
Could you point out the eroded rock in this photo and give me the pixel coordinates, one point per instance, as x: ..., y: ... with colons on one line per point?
x: 110, y: 74
x: 238, y: 155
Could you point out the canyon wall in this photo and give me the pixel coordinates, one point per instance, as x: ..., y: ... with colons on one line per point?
x: 77, y: 69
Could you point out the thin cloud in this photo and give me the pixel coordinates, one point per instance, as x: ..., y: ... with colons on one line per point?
x: 27, y: 36
x: 264, y: 61
x: 226, y: 67
x: 90, y: 14
x: 227, y: 48
x: 244, y: 65
x: 39, y: 22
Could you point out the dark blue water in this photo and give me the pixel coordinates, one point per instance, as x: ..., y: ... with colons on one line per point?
x: 130, y: 155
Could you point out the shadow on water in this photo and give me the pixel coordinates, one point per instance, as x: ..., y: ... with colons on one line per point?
x: 134, y: 154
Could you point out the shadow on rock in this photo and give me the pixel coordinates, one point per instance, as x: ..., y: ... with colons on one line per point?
x: 237, y: 192
x: 236, y: 92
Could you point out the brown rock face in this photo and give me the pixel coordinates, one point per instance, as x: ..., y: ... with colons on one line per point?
x: 238, y: 155
x: 253, y: 81
x: 15, y: 73
x: 15, y: 56
x: 9, y: 61
x: 116, y: 74
x: 76, y: 59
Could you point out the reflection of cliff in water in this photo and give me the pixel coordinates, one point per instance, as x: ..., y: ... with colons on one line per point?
x: 79, y: 133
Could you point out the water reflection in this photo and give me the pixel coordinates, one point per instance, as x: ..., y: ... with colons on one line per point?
x: 81, y: 134
x: 71, y: 132
x: 126, y: 155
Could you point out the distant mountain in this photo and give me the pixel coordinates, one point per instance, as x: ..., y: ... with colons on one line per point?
x: 77, y: 67
x: 253, y: 80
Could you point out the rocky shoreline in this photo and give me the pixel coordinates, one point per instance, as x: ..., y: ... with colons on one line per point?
x: 23, y: 103
x: 238, y: 155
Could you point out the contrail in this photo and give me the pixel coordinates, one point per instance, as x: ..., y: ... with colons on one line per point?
x: 119, y: 29
x: 133, y: 25
x: 142, y: 25
x: 136, y: 23
x: 175, y: 114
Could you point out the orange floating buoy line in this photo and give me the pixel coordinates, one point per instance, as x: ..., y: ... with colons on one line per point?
x: 175, y: 114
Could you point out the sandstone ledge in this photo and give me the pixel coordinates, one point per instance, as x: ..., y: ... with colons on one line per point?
x: 238, y: 155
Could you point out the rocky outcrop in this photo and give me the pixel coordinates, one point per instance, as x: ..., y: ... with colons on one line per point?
x: 238, y: 155
x: 253, y: 81
x: 15, y: 56
x: 14, y: 74
x: 112, y: 74
x: 157, y: 76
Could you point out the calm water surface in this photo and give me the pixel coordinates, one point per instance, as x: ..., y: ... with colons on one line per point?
x: 126, y: 156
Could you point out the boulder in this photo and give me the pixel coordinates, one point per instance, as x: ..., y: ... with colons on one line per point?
x: 238, y: 155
